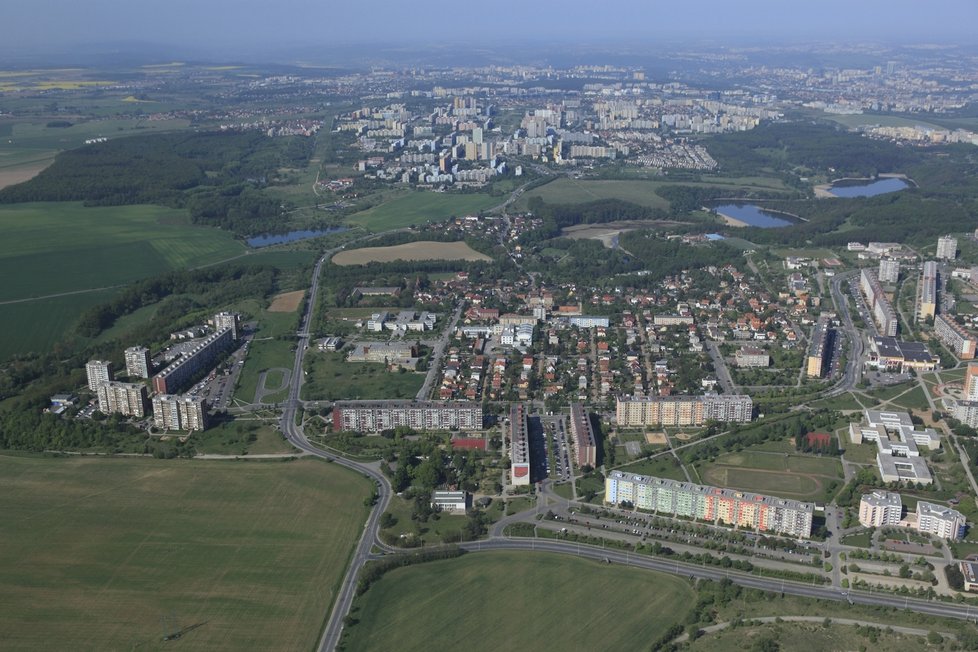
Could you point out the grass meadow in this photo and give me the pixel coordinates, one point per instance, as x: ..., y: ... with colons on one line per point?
x: 107, y: 554
x: 517, y: 600
x: 418, y: 207
x: 792, y: 476
x: 330, y: 377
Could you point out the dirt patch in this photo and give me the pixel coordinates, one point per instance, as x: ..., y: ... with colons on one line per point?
x: 683, y: 436
x: 13, y: 176
x: 656, y: 438
x: 421, y: 250
x: 287, y: 301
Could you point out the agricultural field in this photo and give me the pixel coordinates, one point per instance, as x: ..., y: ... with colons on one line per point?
x: 577, y: 191
x: 405, y: 610
x: 419, y: 207
x: 37, y: 325
x: 422, y: 250
x: 287, y: 301
x: 792, y: 476
x: 107, y: 554
x: 331, y: 378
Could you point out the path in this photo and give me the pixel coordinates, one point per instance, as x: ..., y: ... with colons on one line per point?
x: 262, y: 390
x: 912, y: 631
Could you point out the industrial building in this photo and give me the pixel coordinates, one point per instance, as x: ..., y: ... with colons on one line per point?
x: 955, y: 337
x: 519, y: 445
x: 375, y: 416
x: 582, y: 434
x: 727, y: 506
x: 180, y: 372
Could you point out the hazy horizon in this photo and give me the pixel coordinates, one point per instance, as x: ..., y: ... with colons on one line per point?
x: 247, y: 29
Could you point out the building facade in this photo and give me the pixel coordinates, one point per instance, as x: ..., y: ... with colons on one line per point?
x: 947, y: 248
x: 889, y: 270
x: 179, y: 412
x: 582, y: 434
x: 138, y: 362
x: 883, y: 313
x: 128, y: 399
x: 927, y: 294
x: 98, y: 372
x: 955, y: 337
x: 939, y: 520
x: 683, y: 410
x: 713, y: 504
x: 519, y: 445
x: 375, y: 416
x: 819, y: 349
x: 178, y: 373
x: 880, y: 508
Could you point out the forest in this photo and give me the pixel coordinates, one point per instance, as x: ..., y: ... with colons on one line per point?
x: 215, y: 175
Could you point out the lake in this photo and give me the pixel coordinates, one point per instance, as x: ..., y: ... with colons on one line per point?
x: 867, y: 188
x: 291, y: 236
x: 753, y: 215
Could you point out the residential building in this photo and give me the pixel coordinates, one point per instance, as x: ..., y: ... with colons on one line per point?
x: 955, y: 337
x: 586, y: 321
x: 582, y: 434
x: 889, y: 270
x: 375, y: 416
x: 138, y: 362
x: 819, y: 349
x: 128, y: 399
x: 450, y: 501
x: 182, y: 370
x: 752, y: 356
x: 713, y: 504
x: 179, y: 412
x: 393, y: 353
x: 519, y: 445
x: 947, y: 248
x: 229, y: 320
x: 927, y: 293
x: 885, y: 316
x: 98, y: 372
x: 672, y: 320
x: 683, y: 410
x: 970, y: 571
x: 880, y: 508
x: 966, y: 409
x: 942, y: 521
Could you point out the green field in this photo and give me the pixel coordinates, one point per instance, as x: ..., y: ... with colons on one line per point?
x: 517, y: 600
x: 419, y: 207
x: 915, y: 399
x: 794, y: 476
x: 36, y: 325
x: 51, y: 248
x: 97, y: 552
x: 266, y: 351
x: 659, y: 467
x: 811, y: 637
x: 331, y: 378
x: 241, y: 437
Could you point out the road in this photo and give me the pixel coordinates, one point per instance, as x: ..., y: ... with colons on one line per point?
x: 851, y: 375
x: 438, y: 352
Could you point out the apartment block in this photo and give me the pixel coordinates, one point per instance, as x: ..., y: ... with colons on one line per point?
x: 947, y: 248
x: 519, y: 445
x: 179, y: 412
x: 819, y: 349
x: 889, y: 271
x: 375, y: 416
x: 880, y: 508
x: 883, y: 312
x: 713, y: 504
x: 98, y: 372
x: 683, y: 410
x: 138, y: 362
x: 180, y: 372
x: 128, y: 399
x: 752, y: 356
x: 939, y: 520
x: 955, y: 337
x: 231, y: 320
x: 927, y: 292
x: 582, y: 434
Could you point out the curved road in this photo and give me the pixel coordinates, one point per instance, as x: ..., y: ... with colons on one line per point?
x: 369, y: 536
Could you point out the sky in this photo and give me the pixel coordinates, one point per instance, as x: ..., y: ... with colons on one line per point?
x: 254, y: 26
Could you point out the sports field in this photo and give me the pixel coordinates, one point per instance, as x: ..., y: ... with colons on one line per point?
x: 419, y: 207
x: 108, y: 554
x: 792, y: 476
x: 517, y: 600
x: 422, y: 250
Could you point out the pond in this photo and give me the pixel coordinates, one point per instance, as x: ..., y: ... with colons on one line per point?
x: 754, y: 215
x: 867, y: 187
x: 292, y: 236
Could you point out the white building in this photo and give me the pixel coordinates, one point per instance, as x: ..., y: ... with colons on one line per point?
x: 98, y: 372
x: 947, y: 247
x: 942, y: 521
x: 880, y: 508
x: 889, y: 270
x: 450, y: 501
